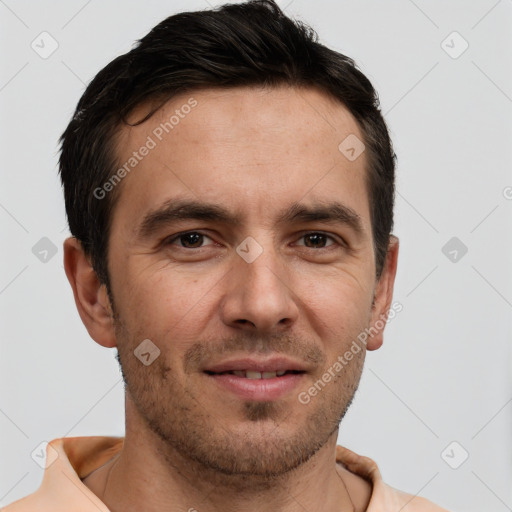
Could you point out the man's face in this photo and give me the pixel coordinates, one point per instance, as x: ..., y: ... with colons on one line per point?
x: 299, y: 287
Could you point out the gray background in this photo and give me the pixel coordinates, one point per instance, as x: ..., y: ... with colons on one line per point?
x: 444, y: 372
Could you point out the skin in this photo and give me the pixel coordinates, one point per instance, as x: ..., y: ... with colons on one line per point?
x: 189, y: 443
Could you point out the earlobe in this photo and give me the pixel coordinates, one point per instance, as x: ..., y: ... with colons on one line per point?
x: 90, y: 295
x: 383, y: 296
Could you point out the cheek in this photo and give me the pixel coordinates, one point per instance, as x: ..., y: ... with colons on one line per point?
x: 340, y: 312
x: 167, y: 307
x: 341, y: 302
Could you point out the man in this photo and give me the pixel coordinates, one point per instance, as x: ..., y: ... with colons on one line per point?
x: 229, y: 187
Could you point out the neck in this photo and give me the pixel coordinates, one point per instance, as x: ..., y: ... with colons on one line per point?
x: 150, y: 475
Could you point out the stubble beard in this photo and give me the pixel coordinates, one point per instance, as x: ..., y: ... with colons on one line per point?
x: 248, y: 454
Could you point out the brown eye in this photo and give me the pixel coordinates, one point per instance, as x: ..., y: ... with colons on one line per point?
x: 316, y: 240
x: 190, y: 240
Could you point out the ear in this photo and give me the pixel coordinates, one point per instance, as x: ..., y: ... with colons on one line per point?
x: 91, y: 296
x: 383, y: 296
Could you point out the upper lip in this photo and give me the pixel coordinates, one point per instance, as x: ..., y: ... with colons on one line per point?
x: 275, y: 364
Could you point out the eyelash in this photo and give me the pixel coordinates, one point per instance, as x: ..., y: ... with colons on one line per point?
x: 173, y: 238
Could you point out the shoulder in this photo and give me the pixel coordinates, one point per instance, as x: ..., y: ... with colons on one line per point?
x: 359, y: 489
x: 369, y: 492
x: 68, y: 460
x: 410, y: 502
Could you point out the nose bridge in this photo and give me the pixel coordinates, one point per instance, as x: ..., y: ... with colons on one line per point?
x: 259, y: 295
x: 264, y: 273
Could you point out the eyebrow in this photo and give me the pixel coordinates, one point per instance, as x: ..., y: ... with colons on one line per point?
x: 175, y: 210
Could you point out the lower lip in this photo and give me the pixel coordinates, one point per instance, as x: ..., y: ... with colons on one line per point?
x: 258, y: 389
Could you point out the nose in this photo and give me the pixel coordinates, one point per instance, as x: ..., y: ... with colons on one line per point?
x: 259, y: 296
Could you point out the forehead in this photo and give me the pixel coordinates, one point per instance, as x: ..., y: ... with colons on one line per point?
x: 251, y: 147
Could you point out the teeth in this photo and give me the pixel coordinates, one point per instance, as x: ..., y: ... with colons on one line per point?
x: 248, y: 374
x: 280, y: 373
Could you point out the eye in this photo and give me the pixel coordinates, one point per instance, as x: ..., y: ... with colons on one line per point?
x: 196, y: 239
x: 189, y: 240
x: 316, y: 240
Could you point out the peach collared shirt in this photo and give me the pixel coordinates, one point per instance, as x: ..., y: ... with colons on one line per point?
x: 71, y: 459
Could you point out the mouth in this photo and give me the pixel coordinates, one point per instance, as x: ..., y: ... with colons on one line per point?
x: 254, y: 375
x: 256, y: 380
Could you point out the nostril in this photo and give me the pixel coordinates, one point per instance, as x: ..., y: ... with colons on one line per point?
x: 243, y: 322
